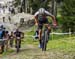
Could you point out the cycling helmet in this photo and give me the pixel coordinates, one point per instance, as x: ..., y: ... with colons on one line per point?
x: 41, y: 11
x: 17, y: 29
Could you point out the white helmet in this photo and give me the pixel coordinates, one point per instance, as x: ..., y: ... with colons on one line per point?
x: 41, y: 11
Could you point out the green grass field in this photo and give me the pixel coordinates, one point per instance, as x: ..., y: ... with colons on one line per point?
x: 56, y: 42
x: 59, y: 45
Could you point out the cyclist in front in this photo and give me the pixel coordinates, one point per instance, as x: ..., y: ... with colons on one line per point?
x: 41, y: 19
x: 11, y: 38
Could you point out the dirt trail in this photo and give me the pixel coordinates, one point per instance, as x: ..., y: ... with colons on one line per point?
x: 32, y: 52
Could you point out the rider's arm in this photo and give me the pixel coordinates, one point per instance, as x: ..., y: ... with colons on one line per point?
x: 36, y: 19
x: 53, y: 18
x: 36, y: 22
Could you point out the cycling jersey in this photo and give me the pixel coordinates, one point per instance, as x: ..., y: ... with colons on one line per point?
x: 17, y: 34
x: 37, y: 14
x: 42, y: 18
x: 6, y: 35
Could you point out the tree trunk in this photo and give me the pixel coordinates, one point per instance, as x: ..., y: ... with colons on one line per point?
x: 54, y: 8
x: 31, y: 10
x: 23, y: 5
x: 26, y: 6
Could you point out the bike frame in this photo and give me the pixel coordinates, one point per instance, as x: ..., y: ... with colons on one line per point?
x: 44, y: 38
x: 17, y: 44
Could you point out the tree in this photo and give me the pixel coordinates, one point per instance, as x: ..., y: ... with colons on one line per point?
x: 18, y: 2
x: 36, y: 4
x: 54, y: 7
x: 68, y: 13
x: 59, y: 1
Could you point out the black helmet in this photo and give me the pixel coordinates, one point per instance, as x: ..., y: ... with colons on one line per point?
x: 17, y: 29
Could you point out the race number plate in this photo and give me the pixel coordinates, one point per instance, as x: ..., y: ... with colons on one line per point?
x: 18, y: 37
x: 11, y: 37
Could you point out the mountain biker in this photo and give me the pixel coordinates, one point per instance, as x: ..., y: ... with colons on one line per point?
x: 2, y: 33
x: 18, y: 37
x: 11, y: 38
x: 41, y: 19
x: 6, y: 37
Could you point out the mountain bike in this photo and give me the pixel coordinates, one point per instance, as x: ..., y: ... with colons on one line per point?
x: 18, y: 44
x: 45, y: 38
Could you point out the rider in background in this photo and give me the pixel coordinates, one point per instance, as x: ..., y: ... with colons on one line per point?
x: 11, y: 38
x: 2, y: 33
x: 18, y: 36
x: 6, y: 38
x: 41, y: 19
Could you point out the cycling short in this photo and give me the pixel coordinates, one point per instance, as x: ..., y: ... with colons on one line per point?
x: 40, y: 26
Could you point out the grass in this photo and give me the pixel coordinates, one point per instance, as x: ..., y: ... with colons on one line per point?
x: 64, y: 43
x: 57, y: 43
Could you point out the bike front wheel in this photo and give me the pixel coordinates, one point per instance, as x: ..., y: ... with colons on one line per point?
x: 17, y: 46
x: 44, y: 41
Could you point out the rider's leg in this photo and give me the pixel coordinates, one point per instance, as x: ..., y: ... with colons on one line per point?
x: 2, y: 47
x: 20, y: 43
x: 10, y: 42
x: 40, y: 32
x: 15, y: 43
x: 6, y: 44
x: 40, y: 38
x: 49, y: 30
